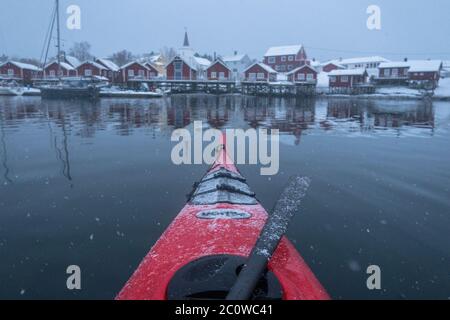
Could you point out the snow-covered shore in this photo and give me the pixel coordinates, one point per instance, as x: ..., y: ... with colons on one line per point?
x: 391, y: 92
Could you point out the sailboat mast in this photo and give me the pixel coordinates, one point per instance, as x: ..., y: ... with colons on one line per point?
x: 58, y: 35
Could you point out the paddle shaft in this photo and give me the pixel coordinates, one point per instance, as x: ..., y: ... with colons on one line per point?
x: 271, y: 235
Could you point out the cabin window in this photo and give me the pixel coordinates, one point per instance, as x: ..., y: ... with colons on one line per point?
x: 152, y: 75
x: 252, y: 75
x: 309, y: 77
x: 344, y: 78
x: 333, y: 79
x: 395, y: 72
x: 272, y: 60
x: 131, y: 73
x: 88, y: 73
x: 10, y: 72
x: 222, y: 75
x: 261, y: 75
x: 52, y: 73
x: 290, y: 67
x: 387, y: 72
x: 301, y: 76
x: 213, y: 74
x: 291, y: 58
x: 283, y: 59
x: 142, y: 73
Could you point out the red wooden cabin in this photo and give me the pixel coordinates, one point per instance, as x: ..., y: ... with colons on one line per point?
x: 218, y: 70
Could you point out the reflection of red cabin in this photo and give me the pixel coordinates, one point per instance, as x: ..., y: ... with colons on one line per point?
x: 51, y: 70
x: 331, y: 66
x: 347, y: 78
x: 180, y: 69
x: 134, y: 70
x: 218, y: 70
x: 260, y: 72
x: 91, y: 69
x: 306, y: 74
x: 19, y: 71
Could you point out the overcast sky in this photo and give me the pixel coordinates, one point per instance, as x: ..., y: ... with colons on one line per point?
x: 327, y: 28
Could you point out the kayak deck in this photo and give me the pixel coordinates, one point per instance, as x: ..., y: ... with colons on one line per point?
x: 222, y: 217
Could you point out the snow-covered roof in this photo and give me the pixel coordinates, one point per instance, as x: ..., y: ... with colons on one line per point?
x: 220, y: 62
x: 262, y: 65
x: 73, y: 61
x: 359, y: 60
x: 109, y: 64
x: 302, y: 67
x: 315, y: 63
x: 202, y: 61
x: 133, y: 62
x: 63, y: 65
x: 95, y: 64
x: 333, y: 62
x: 155, y: 58
x: 395, y: 64
x: 348, y: 72
x: 22, y: 65
x: 425, y: 66
x: 149, y: 64
x: 234, y: 58
x: 283, y: 50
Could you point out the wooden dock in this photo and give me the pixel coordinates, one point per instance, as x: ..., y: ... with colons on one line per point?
x: 229, y: 87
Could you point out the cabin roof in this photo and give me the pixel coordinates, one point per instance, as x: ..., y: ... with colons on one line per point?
x: 302, y: 67
x: 109, y: 64
x: 425, y: 66
x: 23, y: 65
x: 220, y: 62
x: 133, y: 62
x: 262, y: 65
x: 283, y: 50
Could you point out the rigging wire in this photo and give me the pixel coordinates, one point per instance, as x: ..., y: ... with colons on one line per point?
x: 48, y: 38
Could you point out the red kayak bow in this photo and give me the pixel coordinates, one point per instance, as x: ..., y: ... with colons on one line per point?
x: 201, y: 253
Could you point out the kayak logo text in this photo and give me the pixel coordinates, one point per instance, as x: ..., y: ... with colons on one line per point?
x: 243, y: 147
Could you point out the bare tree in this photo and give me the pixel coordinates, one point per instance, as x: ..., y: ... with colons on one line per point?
x: 32, y: 61
x: 122, y: 57
x: 81, y: 51
x: 168, y: 53
x: 3, y: 58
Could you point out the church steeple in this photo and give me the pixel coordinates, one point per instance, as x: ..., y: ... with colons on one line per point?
x: 186, y: 40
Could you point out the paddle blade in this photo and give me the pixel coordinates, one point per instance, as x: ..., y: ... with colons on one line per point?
x: 275, y: 228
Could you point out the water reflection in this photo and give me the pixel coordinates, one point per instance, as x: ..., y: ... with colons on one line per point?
x: 290, y: 116
x: 94, y: 181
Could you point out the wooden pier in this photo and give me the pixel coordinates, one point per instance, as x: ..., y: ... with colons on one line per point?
x: 228, y: 87
x: 188, y: 86
x: 284, y: 89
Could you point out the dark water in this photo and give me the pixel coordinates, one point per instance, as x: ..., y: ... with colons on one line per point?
x: 93, y: 185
